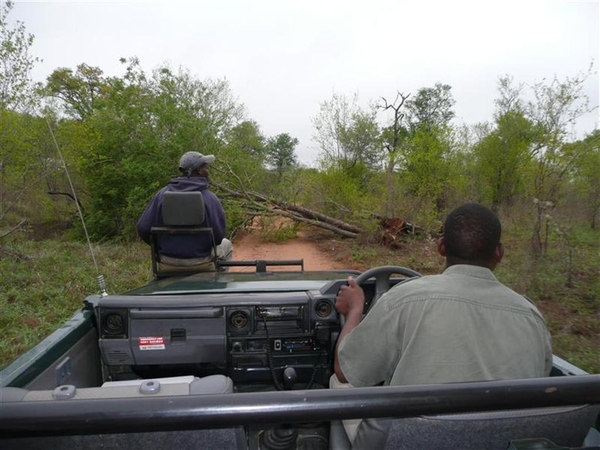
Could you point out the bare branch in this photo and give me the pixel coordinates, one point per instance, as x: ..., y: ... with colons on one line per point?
x: 17, y: 226
x: 66, y: 194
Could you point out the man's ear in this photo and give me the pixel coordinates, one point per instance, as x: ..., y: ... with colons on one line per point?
x: 441, y: 246
x: 499, y: 253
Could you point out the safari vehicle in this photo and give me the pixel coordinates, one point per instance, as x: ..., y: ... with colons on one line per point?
x: 225, y: 359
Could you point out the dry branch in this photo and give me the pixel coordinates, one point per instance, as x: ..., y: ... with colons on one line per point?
x: 298, y: 213
x: 17, y: 226
x: 258, y: 204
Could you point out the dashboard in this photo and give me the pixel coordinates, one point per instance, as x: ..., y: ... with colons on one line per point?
x: 251, y: 337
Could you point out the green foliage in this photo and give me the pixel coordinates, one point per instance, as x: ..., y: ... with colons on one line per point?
x: 280, y: 153
x: 556, y: 106
x: 140, y: 127
x: 419, y: 154
x: 501, y: 157
x: 81, y: 92
x: 585, y: 174
x: 427, y: 167
x: 237, y: 169
x: 17, y: 91
x: 247, y: 138
x: 274, y: 229
x: 23, y: 151
x: 347, y: 135
x: 431, y: 107
x: 33, y: 185
x: 235, y: 215
x: 340, y: 194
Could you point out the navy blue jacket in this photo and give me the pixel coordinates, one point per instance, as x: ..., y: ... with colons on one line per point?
x: 182, y: 246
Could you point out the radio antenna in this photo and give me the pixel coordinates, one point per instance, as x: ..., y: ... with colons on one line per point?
x: 100, y: 277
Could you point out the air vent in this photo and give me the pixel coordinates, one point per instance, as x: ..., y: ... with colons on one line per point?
x: 323, y: 308
x: 239, y: 320
x: 114, y: 324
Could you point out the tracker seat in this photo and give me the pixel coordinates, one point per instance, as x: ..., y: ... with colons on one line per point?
x: 183, y: 213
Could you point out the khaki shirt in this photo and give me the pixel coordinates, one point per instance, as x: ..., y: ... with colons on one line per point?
x: 462, y: 325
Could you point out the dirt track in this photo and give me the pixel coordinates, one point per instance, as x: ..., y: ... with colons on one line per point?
x: 249, y: 247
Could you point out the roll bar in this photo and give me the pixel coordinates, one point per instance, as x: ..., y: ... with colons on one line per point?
x: 126, y: 415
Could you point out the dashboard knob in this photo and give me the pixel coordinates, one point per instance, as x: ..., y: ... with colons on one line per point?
x: 236, y: 347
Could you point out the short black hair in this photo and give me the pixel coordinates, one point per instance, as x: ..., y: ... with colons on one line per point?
x: 471, y: 234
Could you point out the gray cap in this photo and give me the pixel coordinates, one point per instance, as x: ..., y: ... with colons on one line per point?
x: 191, y: 161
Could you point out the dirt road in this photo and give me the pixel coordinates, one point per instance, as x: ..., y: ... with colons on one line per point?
x: 249, y: 247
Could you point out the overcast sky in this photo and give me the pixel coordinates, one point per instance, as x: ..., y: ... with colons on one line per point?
x: 283, y: 58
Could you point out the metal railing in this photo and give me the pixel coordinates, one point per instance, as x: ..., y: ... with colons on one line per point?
x: 124, y: 415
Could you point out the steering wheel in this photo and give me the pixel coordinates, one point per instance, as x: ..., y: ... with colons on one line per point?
x: 382, y: 281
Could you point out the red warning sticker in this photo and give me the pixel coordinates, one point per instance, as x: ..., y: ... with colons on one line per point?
x: 152, y: 343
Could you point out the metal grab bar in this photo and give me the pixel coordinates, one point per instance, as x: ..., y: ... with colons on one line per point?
x: 126, y: 415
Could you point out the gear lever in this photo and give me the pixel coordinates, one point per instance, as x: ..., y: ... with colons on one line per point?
x: 283, y: 436
x: 290, y: 377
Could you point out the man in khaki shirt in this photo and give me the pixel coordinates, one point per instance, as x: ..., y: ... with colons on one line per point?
x: 461, y: 325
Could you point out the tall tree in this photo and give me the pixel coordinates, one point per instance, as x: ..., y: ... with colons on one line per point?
x: 281, y: 154
x: 425, y: 155
x: 427, y: 168
x: 556, y: 106
x: 79, y: 91
x: 509, y: 97
x: 242, y: 157
x: 431, y: 107
x: 393, y: 136
x: 247, y: 137
x: 346, y: 134
x: 501, y: 156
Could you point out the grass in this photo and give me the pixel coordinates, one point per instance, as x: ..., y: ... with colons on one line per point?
x: 42, y: 283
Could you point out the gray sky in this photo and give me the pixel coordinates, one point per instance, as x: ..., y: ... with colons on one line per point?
x: 283, y: 58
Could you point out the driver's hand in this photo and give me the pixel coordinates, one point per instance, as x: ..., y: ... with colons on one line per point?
x: 350, y: 298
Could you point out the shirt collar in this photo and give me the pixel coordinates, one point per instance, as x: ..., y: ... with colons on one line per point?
x: 471, y: 271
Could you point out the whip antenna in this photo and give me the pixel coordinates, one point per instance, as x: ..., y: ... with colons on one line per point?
x: 100, y: 277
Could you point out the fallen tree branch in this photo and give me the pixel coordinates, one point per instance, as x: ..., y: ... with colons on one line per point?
x: 317, y: 223
x: 14, y: 228
x: 258, y: 204
x: 294, y: 211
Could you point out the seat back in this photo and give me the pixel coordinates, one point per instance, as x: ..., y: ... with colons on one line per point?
x: 565, y: 426
x: 183, y: 209
x: 183, y: 214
